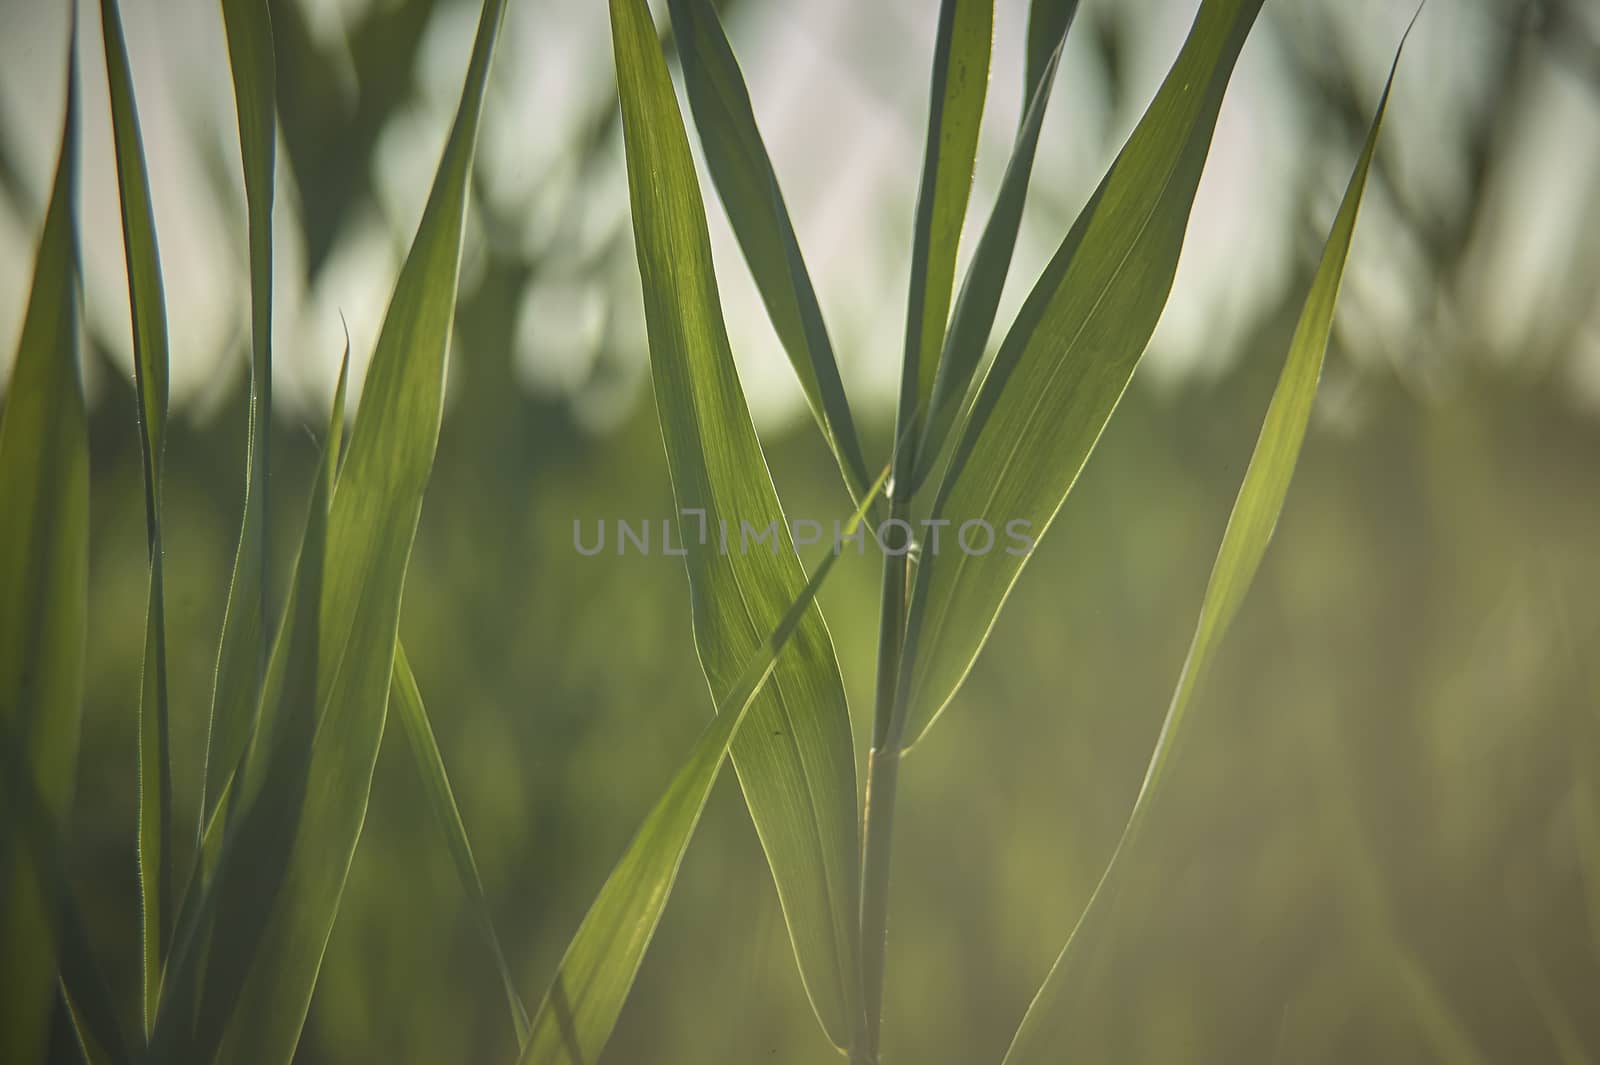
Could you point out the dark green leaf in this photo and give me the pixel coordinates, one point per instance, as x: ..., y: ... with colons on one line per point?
x: 797, y: 765
x: 44, y: 574
x: 241, y: 655
x: 25, y: 813
x: 157, y: 874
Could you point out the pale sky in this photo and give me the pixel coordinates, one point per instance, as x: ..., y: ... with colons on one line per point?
x: 840, y: 88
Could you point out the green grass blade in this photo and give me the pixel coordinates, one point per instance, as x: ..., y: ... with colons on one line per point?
x: 441, y: 799
x: 300, y: 798
x: 797, y: 766
x: 1064, y: 365
x: 581, y: 1008
x: 220, y: 936
x: 955, y: 113
x: 156, y: 852
x: 744, y: 178
x: 242, y: 652
x: 979, y: 299
x: 44, y: 590
x: 1046, y: 1029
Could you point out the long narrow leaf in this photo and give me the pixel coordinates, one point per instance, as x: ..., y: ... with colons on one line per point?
x: 955, y: 113
x: 592, y: 983
x: 441, y: 798
x: 973, y: 317
x: 44, y: 591
x: 242, y: 652
x: 149, y: 314
x: 797, y: 767
x: 221, y: 934
x: 1046, y: 1031
x: 1063, y: 367
x: 744, y: 178
x: 310, y: 808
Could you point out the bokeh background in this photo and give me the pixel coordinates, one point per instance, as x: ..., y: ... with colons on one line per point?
x: 1385, y: 844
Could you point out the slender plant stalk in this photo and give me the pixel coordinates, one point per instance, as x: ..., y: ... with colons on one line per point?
x: 883, y: 773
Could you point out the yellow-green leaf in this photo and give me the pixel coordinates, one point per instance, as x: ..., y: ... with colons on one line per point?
x: 1046, y: 1031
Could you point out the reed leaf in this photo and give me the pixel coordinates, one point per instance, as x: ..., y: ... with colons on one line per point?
x: 146, y: 299
x: 592, y: 983
x: 979, y: 299
x: 797, y: 765
x: 242, y: 650
x: 1046, y: 1032
x: 955, y: 114
x: 250, y: 960
x: 44, y: 591
x: 1062, y: 369
x: 221, y: 936
x: 407, y: 699
x: 742, y: 172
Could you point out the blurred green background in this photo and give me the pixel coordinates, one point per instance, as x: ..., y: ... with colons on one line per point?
x: 1383, y: 842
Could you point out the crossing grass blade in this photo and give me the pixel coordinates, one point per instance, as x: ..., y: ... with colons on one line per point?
x: 1046, y: 1029
x: 745, y: 181
x: 156, y: 853
x: 955, y: 113
x: 44, y: 571
x: 1064, y: 364
x: 407, y: 698
x: 797, y: 765
x: 581, y: 1008
x: 249, y: 962
x: 242, y: 652
x: 979, y: 299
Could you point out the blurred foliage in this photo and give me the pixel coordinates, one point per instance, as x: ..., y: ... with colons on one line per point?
x: 1390, y: 845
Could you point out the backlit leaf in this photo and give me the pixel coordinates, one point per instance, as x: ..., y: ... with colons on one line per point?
x: 743, y: 174
x: 797, y: 765
x: 299, y: 800
x: 1046, y: 1031
x: 1062, y: 369
x: 973, y: 317
x: 955, y: 113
